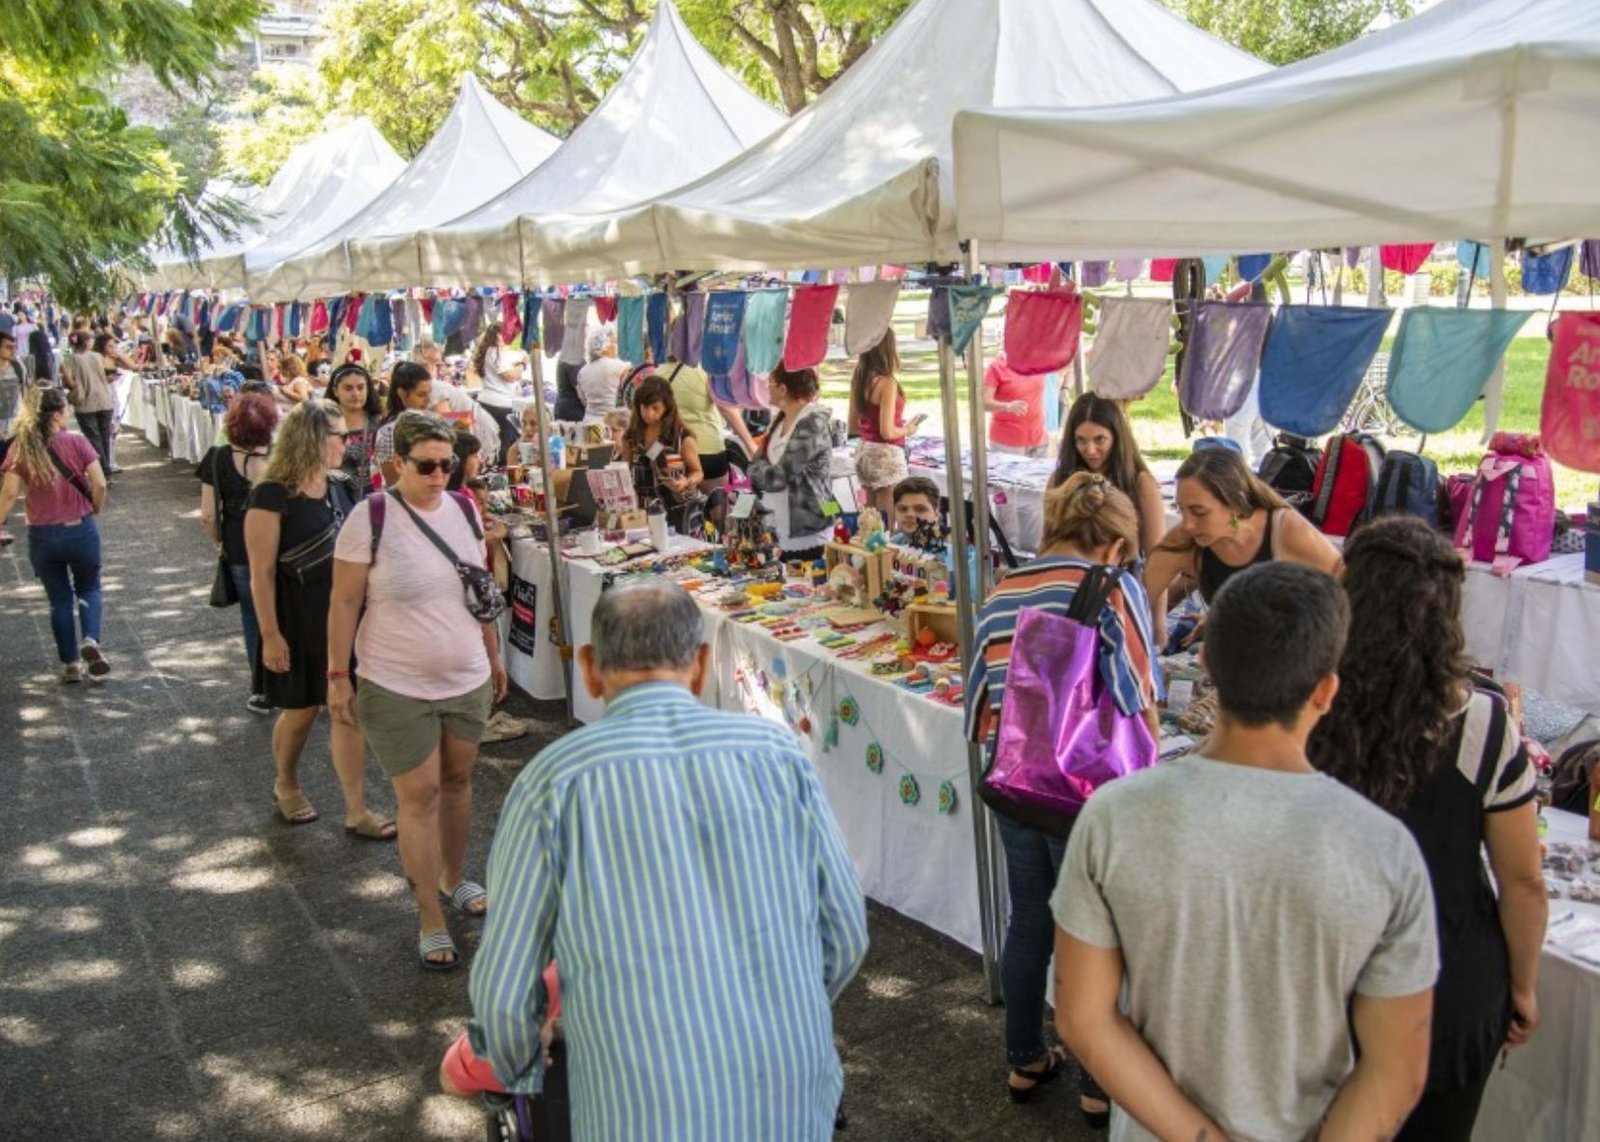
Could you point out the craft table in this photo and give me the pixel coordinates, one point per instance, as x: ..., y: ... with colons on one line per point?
x: 1549, y: 1090
x: 1539, y: 627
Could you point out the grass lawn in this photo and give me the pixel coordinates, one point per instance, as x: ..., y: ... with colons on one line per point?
x: 1159, y: 428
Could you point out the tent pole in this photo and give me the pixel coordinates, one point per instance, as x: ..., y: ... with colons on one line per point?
x: 1494, y: 391
x: 978, y: 426
x: 983, y: 834
x: 558, y: 621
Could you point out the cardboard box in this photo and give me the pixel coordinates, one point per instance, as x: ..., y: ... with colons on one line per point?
x: 1591, y: 545
x: 939, y: 617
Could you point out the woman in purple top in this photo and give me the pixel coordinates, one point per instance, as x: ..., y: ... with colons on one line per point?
x: 66, y: 486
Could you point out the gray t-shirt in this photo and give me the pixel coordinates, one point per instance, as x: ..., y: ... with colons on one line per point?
x: 1249, y: 905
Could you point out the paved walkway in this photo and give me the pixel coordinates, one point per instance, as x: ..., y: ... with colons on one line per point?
x: 176, y: 964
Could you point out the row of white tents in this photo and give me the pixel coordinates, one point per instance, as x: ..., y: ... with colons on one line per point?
x: 1038, y: 128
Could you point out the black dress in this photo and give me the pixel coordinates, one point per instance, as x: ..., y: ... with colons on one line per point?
x: 1484, y: 770
x: 217, y: 471
x: 302, y: 608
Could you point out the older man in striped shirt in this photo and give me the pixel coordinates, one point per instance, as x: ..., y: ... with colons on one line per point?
x: 684, y: 870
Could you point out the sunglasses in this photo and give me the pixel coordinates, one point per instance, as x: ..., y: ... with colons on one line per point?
x: 429, y: 467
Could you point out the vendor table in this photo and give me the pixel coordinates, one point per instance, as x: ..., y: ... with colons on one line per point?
x: 902, y: 806
x: 1549, y: 1090
x: 1016, y: 487
x: 1539, y: 628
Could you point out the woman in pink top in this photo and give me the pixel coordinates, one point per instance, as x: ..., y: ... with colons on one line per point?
x: 1015, y: 405
x: 429, y: 670
x: 66, y: 486
x: 877, y: 412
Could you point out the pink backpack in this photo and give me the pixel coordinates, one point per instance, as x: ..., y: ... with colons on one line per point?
x: 1511, y: 517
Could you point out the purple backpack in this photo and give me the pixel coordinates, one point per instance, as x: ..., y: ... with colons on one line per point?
x: 1511, y: 517
x: 1062, y: 735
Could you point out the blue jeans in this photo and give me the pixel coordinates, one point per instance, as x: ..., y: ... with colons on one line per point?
x: 1033, y: 864
x: 248, y: 621
x: 66, y: 559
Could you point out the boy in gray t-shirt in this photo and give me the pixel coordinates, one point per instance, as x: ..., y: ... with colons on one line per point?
x: 1259, y: 911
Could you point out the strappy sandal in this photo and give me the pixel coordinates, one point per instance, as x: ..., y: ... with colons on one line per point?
x: 432, y: 944
x: 462, y: 897
x: 295, y: 809
x: 371, y: 827
x: 1055, y: 1066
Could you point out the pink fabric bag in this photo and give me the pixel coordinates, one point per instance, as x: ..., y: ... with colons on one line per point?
x: 1511, y: 517
x: 1569, y: 420
x: 1042, y: 331
x: 1062, y: 735
x: 810, y: 318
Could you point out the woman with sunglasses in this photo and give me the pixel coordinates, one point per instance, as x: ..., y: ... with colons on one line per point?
x: 429, y: 670
x: 295, y: 512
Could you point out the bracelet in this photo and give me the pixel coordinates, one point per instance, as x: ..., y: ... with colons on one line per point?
x: 336, y: 674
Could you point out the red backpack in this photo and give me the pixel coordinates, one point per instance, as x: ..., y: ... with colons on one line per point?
x: 1346, y: 476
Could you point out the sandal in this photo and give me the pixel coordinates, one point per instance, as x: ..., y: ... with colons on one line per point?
x: 295, y: 809
x: 372, y: 827
x: 432, y: 944
x: 1055, y: 1060
x: 465, y: 894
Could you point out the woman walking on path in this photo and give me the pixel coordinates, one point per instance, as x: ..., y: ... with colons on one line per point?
x: 429, y: 669
x: 351, y: 388
x: 66, y: 485
x: 227, y: 473
x: 89, y: 393
x: 296, y: 510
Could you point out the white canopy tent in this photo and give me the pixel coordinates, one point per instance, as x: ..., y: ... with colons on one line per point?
x: 673, y: 115
x: 1475, y: 119
x: 861, y: 176
x: 322, y: 183
x: 480, y: 149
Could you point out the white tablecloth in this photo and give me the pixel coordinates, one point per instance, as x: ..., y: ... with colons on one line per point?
x: 1539, y: 627
x: 910, y: 857
x: 1016, y: 489
x: 538, y: 673
x: 1549, y: 1090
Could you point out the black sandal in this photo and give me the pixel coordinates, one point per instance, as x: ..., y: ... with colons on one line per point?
x: 1055, y: 1057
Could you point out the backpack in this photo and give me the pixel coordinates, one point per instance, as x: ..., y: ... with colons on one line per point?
x: 1570, y: 777
x: 1291, y: 466
x: 1346, y: 477
x: 1511, y: 517
x: 1408, y: 484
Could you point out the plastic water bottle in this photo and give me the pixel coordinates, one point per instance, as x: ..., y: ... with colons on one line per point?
x: 558, y: 451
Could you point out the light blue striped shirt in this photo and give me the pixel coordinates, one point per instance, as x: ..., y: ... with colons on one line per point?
x: 685, y: 871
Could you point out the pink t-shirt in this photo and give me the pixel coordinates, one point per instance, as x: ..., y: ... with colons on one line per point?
x: 417, y: 637
x: 1010, y: 429
x: 58, y: 501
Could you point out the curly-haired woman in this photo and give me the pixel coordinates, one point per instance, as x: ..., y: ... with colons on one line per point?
x: 1411, y: 732
x: 227, y: 472
x: 296, y: 510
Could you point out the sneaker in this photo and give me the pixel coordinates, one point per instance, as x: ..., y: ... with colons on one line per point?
x: 258, y: 704
x: 6, y: 539
x: 71, y: 673
x: 98, y: 666
x: 503, y: 727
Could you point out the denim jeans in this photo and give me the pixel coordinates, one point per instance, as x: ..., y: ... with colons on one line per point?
x: 66, y: 559
x: 1033, y: 864
x: 248, y: 621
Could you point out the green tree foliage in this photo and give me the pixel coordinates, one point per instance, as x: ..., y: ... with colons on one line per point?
x: 81, y: 188
x: 278, y: 109
x: 1283, y: 31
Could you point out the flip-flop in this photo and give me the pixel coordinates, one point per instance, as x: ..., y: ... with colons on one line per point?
x: 293, y: 809
x: 371, y: 827
x: 464, y: 894
x: 432, y: 944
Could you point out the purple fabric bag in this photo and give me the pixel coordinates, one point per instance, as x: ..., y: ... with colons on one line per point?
x: 1223, y: 358
x: 1062, y: 735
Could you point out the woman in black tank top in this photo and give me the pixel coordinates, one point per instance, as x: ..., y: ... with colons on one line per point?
x: 1230, y: 520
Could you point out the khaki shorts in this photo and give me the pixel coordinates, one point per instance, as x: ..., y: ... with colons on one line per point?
x: 880, y: 465
x: 403, y: 731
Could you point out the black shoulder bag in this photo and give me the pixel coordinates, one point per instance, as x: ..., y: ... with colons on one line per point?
x: 483, y: 598
x: 223, y: 591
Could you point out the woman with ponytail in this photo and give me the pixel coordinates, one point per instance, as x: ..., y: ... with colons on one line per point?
x: 65, y: 486
x: 1230, y: 520
x: 1089, y: 523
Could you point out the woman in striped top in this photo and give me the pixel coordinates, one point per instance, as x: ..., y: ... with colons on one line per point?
x: 1087, y: 522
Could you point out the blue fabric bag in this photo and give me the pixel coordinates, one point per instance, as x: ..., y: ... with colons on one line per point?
x: 968, y: 305
x: 1443, y: 358
x: 1547, y: 273
x: 1313, y: 363
x: 724, y: 332
x: 656, y: 312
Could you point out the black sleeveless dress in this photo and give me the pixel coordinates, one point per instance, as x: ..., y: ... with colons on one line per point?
x: 1214, y: 572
